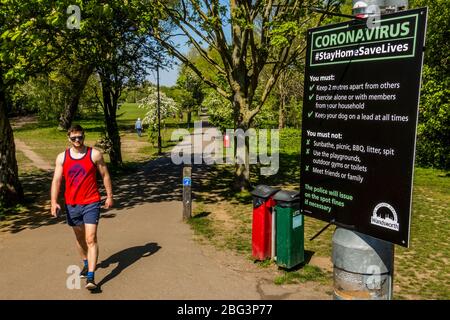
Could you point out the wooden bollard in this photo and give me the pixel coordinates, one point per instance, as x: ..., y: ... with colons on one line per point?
x: 187, y: 182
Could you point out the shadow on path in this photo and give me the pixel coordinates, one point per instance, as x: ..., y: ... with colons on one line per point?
x: 157, y: 180
x: 35, y: 210
x: 126, y: 258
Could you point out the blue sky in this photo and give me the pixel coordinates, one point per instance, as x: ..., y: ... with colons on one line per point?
x: 169, y: 77
x: 166, y: 77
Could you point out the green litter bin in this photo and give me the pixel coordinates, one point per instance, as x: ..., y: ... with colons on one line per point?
x: 289, y: 229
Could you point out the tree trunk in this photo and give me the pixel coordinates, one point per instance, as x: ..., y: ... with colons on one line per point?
x: 11, y: 191
x: 281, y: 115
x: 112, y: 129
x: 282, y: 93
x: 77, y: 86
x: 241, y: 171
x: 189, y: 117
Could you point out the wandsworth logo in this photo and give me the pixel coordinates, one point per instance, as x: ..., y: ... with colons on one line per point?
x: 385, y: 218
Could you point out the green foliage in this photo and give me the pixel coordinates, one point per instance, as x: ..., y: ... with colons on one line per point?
x: 340, y: 6
x: 267, y: 117
x: 89, y: 104
x: 43, y: 95
x: 284, y: 32
x: 134, y: 94
x: 29, y: 40
x: 437, y: 53
x: 191, y: 87
x: 286, y: 98
x: 220, y: 110
x: 47, y: 95
x: 433, y: 132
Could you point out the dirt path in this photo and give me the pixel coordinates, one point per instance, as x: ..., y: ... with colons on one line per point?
x: 146, y: 252
x: 21, y: 146
x: 36, y: 160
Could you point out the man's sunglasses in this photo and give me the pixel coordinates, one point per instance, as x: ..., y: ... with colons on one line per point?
x: 79, y: 138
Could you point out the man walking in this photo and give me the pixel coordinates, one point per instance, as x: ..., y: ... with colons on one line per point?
x: 138, y: 126
x: 79, y: 165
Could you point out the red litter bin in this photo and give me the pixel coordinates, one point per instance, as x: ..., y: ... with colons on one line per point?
x: 226, y: 141
x: 263, y: 204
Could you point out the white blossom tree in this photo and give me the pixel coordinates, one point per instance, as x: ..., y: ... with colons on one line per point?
x: 168, y: 108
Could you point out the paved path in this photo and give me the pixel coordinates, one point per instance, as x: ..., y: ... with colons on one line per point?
x: 146, y: 252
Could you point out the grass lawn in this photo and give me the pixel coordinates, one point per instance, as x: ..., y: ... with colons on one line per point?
x: 421, y: 271
x: 47, y: 141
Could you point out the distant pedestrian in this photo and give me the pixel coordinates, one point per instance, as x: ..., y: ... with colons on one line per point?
x: 138, y: 127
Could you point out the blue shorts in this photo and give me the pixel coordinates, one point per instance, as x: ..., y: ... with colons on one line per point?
x: 80, y: 214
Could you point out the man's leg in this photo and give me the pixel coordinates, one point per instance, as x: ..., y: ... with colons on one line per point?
x: 91, y: 240
x: 92, y: 245
x: 75, y: 220
x: 90, y: 217
x: 81, y: 241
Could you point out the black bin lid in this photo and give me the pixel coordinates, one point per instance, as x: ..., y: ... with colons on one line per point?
x: 287, y: 196
x: 263, y: 191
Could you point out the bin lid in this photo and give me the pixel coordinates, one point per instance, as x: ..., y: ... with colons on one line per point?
x: 287, y: 195
x: 263, y: 191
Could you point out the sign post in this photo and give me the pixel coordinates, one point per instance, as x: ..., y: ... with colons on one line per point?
x: 359, y: 126
x: 187, y: 193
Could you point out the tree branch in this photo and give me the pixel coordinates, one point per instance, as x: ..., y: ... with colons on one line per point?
x: 192, y: 66
x: 180, y: 21
x: 97, y: 97
x: 221, y: 40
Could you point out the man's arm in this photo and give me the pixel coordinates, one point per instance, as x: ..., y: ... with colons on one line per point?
x: 103, y: 170
x: 56, y: 184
